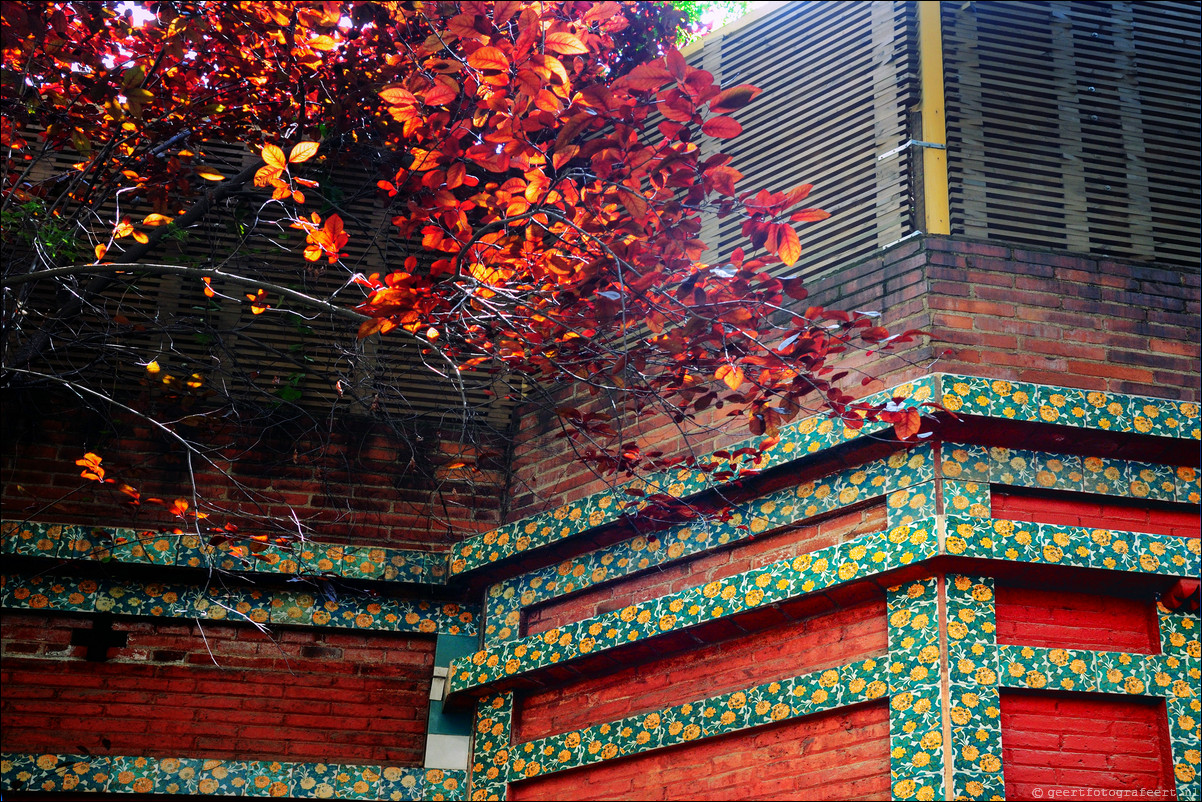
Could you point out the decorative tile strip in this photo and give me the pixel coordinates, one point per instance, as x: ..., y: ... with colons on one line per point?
x: 894, y: 475
x: 768, y: 703
x: 1038, y: 668
x: 963, y: 394
x: 856, y: 559
x: 253, y: 778
x: 967, y: 498
x: 1085, y: 547
x: 975, y: 712
x: 123, y: 545
x: 809, y: 436
x: 1109, y: 477
x: 491, y: 753
x: 1038, y: 403
x: 213, y: 602
x: 915, y: 703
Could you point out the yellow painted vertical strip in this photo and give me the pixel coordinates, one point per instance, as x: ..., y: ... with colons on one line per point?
x: 934, y: 130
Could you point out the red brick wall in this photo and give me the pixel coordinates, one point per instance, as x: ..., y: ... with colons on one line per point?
x: 1131, y: 515
x: 742, y: 556
x: 1054, y: 618
x: 1010, y: 313
x: 1077, y: 743
x: 841, y: 636
x: 843, y: 754
x: 997, y: 311
x: 352, y: 482
x: 300, y: 695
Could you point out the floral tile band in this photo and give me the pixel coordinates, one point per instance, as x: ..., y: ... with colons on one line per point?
x: 53, y: 773
x: 233, y: 603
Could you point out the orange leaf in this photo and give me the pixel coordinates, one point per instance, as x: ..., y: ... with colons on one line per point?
x: 809, y: 216
x: 731, y: 375
x: 442, y: 91
x: 721, y: 127
x: 91, y: 466
x: 209, y: 174
x: 489, y: 58
x: 323, y: 43
x: 567, y: 44
x: 274, y: 157
x: 209, y: 292
x: 303, y: 151
x: 100, y: 251
x: 156, y: 220
x: 790, y: 247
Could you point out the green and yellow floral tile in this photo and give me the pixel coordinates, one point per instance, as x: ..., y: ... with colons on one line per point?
x: 292, y: 607
x: 1051, y: 669
x: 363, y: 563
x: 974, y: 786
x: 132, y: 775
x: 1185, y: 738
x: 223, y: 777
x: 67, y: 594
x: 314, y: 780
x: 1124, y: 673
x: 52, y: 773
x: 31, y: 539
x: 180, y: 775
x: 137, y: 546
x: 1180, y: 634
x: 218, y: 603
x: 268, y: 778
x: 158, y: 599
x: 966, y: 498
x: 967, y: 537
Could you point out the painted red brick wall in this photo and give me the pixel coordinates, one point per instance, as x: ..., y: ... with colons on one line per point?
x: 843, y: 754
x: 821, y: 641
x: 1131, y: 515
x: 742, y: 556
x: 300, y: 695
x: 1055, y: 618
x: 1079, y: 743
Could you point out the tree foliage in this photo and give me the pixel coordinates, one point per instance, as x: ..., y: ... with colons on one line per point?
x: 543, y: 168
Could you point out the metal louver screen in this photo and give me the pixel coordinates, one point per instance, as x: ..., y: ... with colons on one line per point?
x: 839, y: 79
x: 1075, y: 126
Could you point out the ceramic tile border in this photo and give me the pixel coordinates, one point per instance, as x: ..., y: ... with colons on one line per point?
x: 867, y: 555
x: 146, y: 547
x: 250, y: 778
x: 964, y: 395
x: 905, y: 477
x: 1081, y: 546
x: 974, y: 711
x: 914, y: 673
x: 233, y: 603
x: 864, y: 556
x: 1065, y: 406
x: 1038, y: 469
x: 767, y: 703
x: 806, y: 437
x: 491, y: 752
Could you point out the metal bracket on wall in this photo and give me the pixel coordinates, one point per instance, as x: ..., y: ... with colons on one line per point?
x: 911, y: 143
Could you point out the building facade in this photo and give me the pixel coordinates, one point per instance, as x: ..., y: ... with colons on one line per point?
x: 1003, y: 607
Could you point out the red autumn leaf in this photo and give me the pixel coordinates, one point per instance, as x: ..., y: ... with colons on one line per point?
x: 648, y: 77
x: 734, y: 98
x: 721, y: 127
x: 809, y: 216
x: 566, y: 44
x: 489, y: 58
x: 908, y: 423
